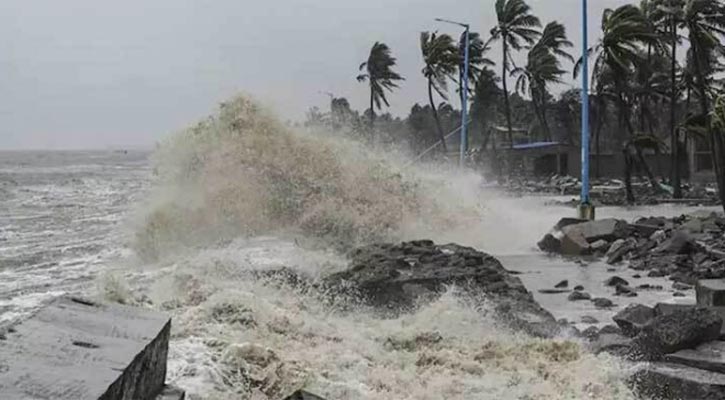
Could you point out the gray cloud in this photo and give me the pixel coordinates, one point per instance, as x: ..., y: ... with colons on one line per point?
x: 89, y: 73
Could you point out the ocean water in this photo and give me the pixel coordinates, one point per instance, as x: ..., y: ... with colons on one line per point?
x: 184, y: 231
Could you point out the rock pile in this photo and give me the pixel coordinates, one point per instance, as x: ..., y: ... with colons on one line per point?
x: 397, y: 277
x: 686, y: 248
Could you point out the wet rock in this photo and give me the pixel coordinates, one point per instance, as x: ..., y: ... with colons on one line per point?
x: 680, y: 330
x: 615, y: 281
x: 694, y: 225
x: 589, y: 320
x: 564, y: 222
x: 554, y: 291
x: 637, y: 276
x: 709, y: 356
x: 633, y: 318
x: 673, y: 381
x: 680, y: 243
x: 619, y: 250
x: 398, y: 278
x: 591, y: 333
x: 678, y: 294
x: 302, y: 395
x: 578, y: 288
x: 601, y: 302
x: 656, y: 273
x: 562, y: 284
x: 550, y: 244
x: 610, y: 329
x: 625, y: 291
x: 578, y: 296
x: 611, y: 343
x: 647, y: 286
x: 600, y: 247
x: 573, y: 243
x: 681, y: 286
x: 710, y: 292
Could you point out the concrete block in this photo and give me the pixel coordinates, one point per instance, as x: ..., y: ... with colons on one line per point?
x: 674, y: 381
x: 709, y: 356
x: 710, y: 292
x: 79, y: 350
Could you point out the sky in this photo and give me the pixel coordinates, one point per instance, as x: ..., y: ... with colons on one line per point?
x: 83, y: 74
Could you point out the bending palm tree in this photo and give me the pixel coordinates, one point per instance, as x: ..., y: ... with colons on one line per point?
x: 543, y: 68
x: 380, y: 75
x: 516, y: 24
x: 705, y: 21
x: 440, y: 55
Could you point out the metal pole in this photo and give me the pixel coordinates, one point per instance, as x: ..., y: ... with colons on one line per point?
x: 464, y: 106
x: 586, y: 211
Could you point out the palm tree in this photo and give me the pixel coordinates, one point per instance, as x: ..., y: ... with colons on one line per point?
x: 705, y: 22
x: 543, y: 68
x: 440, y: 56
x: 380, y: 75
x: 672, y: 16
x: 516, y: 28
x: 477, y: 60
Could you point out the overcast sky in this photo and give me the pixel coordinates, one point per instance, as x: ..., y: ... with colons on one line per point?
x: 101, y: 73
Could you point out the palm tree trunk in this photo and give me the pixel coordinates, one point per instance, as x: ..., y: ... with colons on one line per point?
x: 441, y: 135
x: 545, y: 120
x: 506, y: 92
x: 717, y: 142
x: 628, y: 174
x: 372, y: 110
x: 537, y: 111
x: 673, y: 104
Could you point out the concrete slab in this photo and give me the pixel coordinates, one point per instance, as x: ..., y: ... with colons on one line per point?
x: 673, y: 381
x: 668, y: 308
x: 709, y: 356
x: 79, y: 350
x: 710, y: 292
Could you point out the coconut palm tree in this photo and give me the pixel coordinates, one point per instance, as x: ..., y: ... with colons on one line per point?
x: 378, y: 72
x: 705, y: 23
x: 516, y: 28
x: 543, y: 68
x: 440, y: 55
x: 477, y: 60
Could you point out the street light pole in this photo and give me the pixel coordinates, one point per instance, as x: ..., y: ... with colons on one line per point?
x: 464, y: 95
x: 586, y: 209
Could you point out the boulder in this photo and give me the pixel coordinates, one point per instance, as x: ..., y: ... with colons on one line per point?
x: 564, y: 222
x: 600, y: 247
x: 604, y: 229
x: 620, y: 249
x: 625, y: 291
x: 615, y: 281
x: 601, y: 302
x: 573, y: 243
x: 562, y: 284
x: 579, y: 288
x: 550, y: 244
x: 633, y: 318
x: 680, y: 330
x: 396, y: 278
x: 710, y: 292
x: 578, y: 296
x: 680, y: 243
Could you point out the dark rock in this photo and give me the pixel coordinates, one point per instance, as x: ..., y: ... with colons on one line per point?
x: 573, y: 243
x: 633, y: 318
x: 678, y: 294
x: 625, y: 291
x: 680, y: 330
x: 670, y: 308
x: 610, y: 329
x: 647, y: 286
x: 589, y: 320
x: 637, y: 276
x: 604, y: 229
x: 302, y: 395
x: 611, y: 343
x: 656, y: 273
x: 578, y: 288
x: 550, y: 244
x: 171, y: 393
x: 615, y: 281
x: 710, y: 292
x: 708, y: 356
x: 601, y: 302
x: 611, y: 270
x: 554, y: 291
x: 564, y: 222
x: 591, y: 333
x: 562, y: 284
x: 620, y: 249
x: 673, y: 381
x: 600, y: 247
x: 398, y: 278
x: 681, y: 286
x: 577, y: 296
x: 680, y: 243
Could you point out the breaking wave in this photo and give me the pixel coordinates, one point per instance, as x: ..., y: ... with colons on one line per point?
x: 241, y: 193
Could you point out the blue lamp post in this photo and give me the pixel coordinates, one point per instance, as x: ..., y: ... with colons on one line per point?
x: 586, y: 209
x: 464, y: 95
